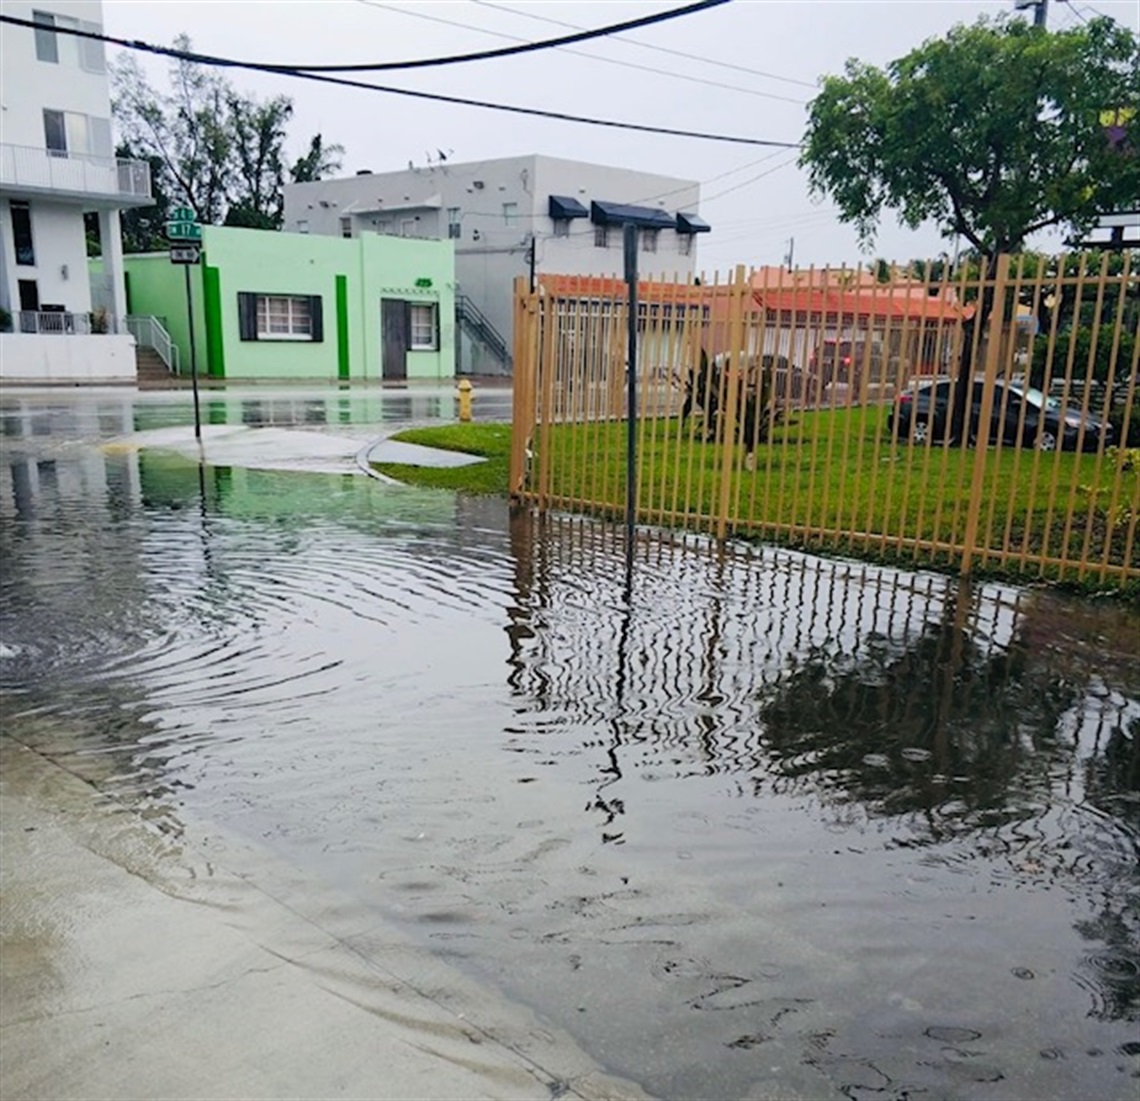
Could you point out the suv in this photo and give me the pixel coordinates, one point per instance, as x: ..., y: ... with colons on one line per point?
x: 1020, y: 416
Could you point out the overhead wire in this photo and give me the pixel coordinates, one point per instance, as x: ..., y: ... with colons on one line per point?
x: 582, y: 53
x: 653, y: 46
x: 436, y: 97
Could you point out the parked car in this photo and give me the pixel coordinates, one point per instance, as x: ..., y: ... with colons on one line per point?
x: 1020, y: 416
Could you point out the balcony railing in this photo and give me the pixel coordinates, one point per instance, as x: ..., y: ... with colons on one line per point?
x: 78, y: 173
x: 56, y: 322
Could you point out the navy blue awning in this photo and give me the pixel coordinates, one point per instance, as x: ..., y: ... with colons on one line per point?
x: 562, y: 206
x: 691, y: 223
x: 612, y: 214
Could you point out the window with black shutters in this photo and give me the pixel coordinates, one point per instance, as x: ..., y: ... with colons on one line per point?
x: 280, y: 317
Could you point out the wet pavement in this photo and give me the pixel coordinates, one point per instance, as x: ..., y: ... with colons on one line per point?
x: 744, y: 824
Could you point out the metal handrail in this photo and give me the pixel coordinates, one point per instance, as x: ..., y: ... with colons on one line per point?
x: 149, y: 332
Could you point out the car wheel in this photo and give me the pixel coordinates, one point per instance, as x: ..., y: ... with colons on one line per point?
x: 1046, y: 440
x: 919, y: 433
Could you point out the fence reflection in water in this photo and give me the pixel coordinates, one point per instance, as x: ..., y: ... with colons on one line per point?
x: 820, y: 421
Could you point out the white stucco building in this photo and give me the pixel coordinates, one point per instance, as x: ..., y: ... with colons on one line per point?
x: 508, y: 217
x: 57, y: 164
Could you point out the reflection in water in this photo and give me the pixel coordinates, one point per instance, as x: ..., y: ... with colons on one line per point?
x: 741, y: 811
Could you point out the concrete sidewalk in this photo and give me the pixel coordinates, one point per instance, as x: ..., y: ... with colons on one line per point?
x: 137, y: 963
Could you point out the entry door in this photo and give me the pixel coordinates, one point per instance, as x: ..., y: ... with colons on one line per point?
x: 395, y: 336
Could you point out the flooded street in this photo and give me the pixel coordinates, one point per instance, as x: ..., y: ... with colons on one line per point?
x: 756, y: 824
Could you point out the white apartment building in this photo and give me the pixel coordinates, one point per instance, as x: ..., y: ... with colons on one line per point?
x: 57, y: 164
x: 508, y: 218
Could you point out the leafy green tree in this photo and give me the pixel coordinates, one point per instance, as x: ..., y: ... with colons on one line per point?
x: 320, y: 162
x: 216, y: 149
x: 993, y: 132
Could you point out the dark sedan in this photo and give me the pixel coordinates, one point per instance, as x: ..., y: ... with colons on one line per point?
x: 1020, y: 416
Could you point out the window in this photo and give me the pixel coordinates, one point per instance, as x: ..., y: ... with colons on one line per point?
x: 649, y: 240
x: 685, y: 244
x: 22, y: 232
x: 408, y: 227
x: 454, y: 227
x: 561, y: 227
x: 302, y: 225
x: 280, y: 317
x: 510, y: 213
x: 80, y: 53
x: 424, y: 331
x: 67, y: 133
x: 346, y: 226
x: 602, y: 236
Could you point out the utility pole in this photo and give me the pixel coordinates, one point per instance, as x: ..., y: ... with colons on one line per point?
x: 791, y: 252
x: 1040, y: 10
x: 531, y: 261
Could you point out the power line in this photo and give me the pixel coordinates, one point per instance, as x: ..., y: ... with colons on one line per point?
x: 750, y: 180
x: 436, y: 97
x: 581, y: 35
x: 583, y: 53
x: 652, y: 46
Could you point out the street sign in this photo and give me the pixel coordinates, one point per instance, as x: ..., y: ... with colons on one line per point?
x: 183, y: 231
x: 183, y: 214
x: 185, y: 254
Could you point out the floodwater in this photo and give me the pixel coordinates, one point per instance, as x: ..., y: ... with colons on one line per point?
x: 746, y: 823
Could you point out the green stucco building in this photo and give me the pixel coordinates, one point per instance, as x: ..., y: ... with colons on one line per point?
x: 280, y: 306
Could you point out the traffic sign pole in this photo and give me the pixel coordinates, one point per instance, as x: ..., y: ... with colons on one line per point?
x: 185, y: 237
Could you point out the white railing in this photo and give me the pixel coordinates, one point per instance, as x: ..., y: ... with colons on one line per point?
x: 150, y: 333
x: 59, y: 323
x: 48, y: 169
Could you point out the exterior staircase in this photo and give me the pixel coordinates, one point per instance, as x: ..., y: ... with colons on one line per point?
x: 478, y: 327
x: 153, y: 374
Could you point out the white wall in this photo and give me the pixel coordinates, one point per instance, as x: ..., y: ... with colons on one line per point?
x: 66, y: 359
x: 28, y: 85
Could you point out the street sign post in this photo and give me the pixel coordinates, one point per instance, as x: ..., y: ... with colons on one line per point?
x: 185, y: 237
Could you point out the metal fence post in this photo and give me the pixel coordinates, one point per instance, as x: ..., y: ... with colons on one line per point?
x: 735, y: 377
x: 981, y: 445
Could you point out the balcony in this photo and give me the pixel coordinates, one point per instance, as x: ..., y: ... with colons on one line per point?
x: 59, y: 323
x: 74, y: 175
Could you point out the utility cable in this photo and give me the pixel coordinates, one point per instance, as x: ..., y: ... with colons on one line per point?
x: 651, y: 46
x: 590, y: 56
x: 436, y: 97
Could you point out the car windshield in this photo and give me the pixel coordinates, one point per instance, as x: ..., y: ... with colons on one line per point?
x: 1037, y: 397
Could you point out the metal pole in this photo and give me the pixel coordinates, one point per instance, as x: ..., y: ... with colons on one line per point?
x: 532, y: 262
x: 1041, y: 12
x: 193, y: 355
x: 630, y: 242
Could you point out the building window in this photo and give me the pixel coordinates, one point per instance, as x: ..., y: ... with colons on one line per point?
x: 346, y: 227
x: 561, y: 227
x: 454, y: 227
x: 602, y: 236
x: 302, y: 225
x: 685, y: 244
x: 81, y: 53
x: 649, y: 240
x: 279, y: 317
x: 424, y: 330
x: 67, y: 133
x: 22, y: 233
x: 408, y: 227
x: 510, y: 213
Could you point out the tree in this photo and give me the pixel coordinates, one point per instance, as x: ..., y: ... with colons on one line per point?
x: 993, y: 133
x: 320, y: 162
x: 216, y: 149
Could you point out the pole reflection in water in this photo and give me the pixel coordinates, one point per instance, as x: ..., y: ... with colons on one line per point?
x: 736, y: 810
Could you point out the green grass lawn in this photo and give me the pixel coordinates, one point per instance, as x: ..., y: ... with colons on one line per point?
x: 826, y: 471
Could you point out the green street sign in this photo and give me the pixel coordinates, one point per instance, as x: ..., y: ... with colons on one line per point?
x: 183, y: 231
x: 183, y: 214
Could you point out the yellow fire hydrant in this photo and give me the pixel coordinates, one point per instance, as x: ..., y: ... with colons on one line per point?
x: 463, y: 390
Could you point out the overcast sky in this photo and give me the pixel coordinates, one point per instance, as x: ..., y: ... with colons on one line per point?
x: 755, y: 198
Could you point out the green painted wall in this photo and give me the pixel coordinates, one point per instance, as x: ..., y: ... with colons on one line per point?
x: 158, y: 287
x: 351, y: 276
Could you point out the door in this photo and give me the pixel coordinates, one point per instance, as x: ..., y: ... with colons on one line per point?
x: 395, y: 338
